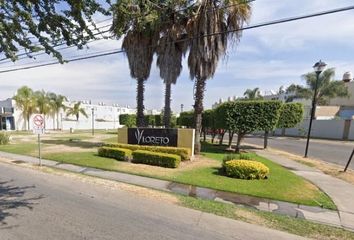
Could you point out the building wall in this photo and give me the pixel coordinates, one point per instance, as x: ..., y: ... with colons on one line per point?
x: 327, y: 129
x: 345, y: 101
x: 106, y: 117
x: 351, y: 131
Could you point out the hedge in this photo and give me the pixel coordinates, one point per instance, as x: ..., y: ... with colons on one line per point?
x: 156, y: 159
x: 246, y: 169
x: 116, y: 153
x: 291, y: 114
x: 184, y: 153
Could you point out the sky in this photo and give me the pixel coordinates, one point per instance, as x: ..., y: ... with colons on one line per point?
x: 267, y: 57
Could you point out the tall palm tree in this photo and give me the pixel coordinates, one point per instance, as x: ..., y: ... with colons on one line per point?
x: 25, y: 100
x: 57, y: 103
x: 170, y: 52
x: 252, y: 94
x: 210, y: 17
x: 136, y: 20
x: 76, y: 110
x: 327, y: 88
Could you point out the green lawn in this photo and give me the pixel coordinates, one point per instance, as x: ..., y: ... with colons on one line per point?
x: 20, y: 148
x: 282, y: 184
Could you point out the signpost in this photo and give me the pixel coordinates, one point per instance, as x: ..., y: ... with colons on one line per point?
x: 38, y: 128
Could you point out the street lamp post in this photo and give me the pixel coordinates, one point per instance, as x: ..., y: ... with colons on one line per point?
x: 350, y: 159
x: 318, y: 67
x: 93, y: 121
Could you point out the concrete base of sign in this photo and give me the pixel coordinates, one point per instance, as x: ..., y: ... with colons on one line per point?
x: 185, y: 138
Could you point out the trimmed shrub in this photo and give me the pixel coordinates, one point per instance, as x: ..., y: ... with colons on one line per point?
x: 246, y: 169
x: 156, y: 159
x: 4, y: 138
x: 116, y: 153
x: 229, y: 157
x: 184, y: 153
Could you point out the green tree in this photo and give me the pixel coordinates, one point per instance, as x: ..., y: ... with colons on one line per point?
x: 270, y: 116
x: 244, y: 117
x: 209, y: 17
x: 57, y: 104
x: 76, y: 111
x: 186, y: 119
x: 136, y: 21
x: 26, y: 102
x: 252, y: 94
x: 43, y: 103
x: 327, y: 87
x: 129, y: 120
x: 170, y: 51
x: 42, y: 24
x: 291, y: 114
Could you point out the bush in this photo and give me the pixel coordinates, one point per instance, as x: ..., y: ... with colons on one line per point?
x: 184, y: 153
x: 4, y: 138
x: 156, y: 159
x: 116, y: 153
x: 229, y: 157
x: 246, y: 169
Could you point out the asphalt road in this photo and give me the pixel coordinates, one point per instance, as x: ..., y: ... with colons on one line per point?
x: 337, y: 152
x: 38, y: 205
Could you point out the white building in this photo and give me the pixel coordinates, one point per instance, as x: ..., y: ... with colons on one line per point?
x: 101, y: 115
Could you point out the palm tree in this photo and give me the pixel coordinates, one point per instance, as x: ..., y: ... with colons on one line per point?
x: 43, y: 103
x: 137, y: 21
x: 252, y: 94
x: 76, y: 110
x: 170, y: 52
x: 25, y: 100
x: 57, y: 103
x: 210, y: 17
x: 327, y: 88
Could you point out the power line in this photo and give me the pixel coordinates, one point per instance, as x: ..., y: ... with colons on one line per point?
x: 279, y: 21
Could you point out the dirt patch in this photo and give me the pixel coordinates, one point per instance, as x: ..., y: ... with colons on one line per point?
x: 63, y: 148
x: 250, y: 217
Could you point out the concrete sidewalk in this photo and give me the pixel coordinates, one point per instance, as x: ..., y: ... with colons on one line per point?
x: 341, y: 192
x: 316, y: 214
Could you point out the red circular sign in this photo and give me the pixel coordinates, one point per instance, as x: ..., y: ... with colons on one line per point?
x: 38, y: 120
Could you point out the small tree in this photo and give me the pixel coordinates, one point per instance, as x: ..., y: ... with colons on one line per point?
x: 221, y: 121
x: 76, y: 111
x: 208, y: 124
x: 291, y: 114
x: 186, y: 119
x: 269, y: 117
x: 244, y: 117
x: 129, y: 120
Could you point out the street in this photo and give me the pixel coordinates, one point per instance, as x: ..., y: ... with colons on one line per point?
x: 326, y: 150
x: 39, y: 205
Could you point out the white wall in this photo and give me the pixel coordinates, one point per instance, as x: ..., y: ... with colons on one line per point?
x: 351, y: 131
x: 329, y: 129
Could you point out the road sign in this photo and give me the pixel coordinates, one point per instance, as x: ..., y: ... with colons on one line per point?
x: 38, y: 124
x: 38, y: 128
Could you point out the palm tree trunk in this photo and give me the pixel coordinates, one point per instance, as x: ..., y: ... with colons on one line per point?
x: 167, y: 110
x: 140, y: 120
x: 198, y: 110
x: 57, y: 120
x: 28, y: 122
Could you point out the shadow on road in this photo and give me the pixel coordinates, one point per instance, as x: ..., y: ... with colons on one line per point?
x: 13, y: 197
